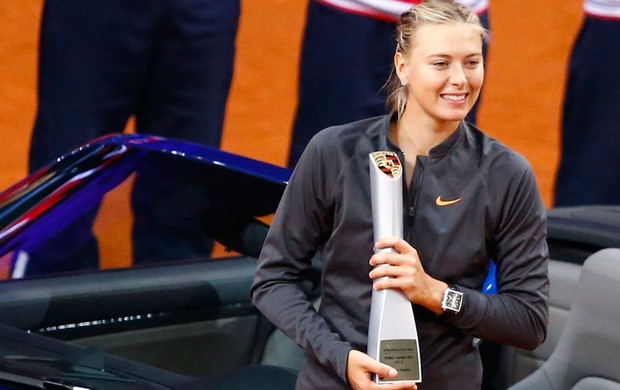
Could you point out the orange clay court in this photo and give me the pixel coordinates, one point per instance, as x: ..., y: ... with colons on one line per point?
x: 521, y: 101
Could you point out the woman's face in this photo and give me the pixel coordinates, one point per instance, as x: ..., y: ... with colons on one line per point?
x: 443, y: 71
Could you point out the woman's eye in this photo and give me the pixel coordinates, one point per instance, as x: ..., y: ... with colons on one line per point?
x: 472, y: 63
x: 441, y: 64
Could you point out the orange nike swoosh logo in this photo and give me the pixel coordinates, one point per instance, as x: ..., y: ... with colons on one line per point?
x: 440, y: 202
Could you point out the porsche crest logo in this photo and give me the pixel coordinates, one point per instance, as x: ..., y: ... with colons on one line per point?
x: 388, y: 163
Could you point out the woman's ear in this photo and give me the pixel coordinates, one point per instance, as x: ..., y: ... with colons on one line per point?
x: 400, y: 66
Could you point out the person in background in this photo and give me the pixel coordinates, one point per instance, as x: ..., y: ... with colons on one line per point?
x: 468, y: 199
x: 346, y: 54
x: 589, y: 169
x: 168, y: 63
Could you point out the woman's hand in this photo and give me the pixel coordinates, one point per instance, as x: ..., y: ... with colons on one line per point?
x: 361, y: 367
x: 403, y: 270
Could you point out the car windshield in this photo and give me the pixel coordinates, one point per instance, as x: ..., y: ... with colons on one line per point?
x: 133, y: 200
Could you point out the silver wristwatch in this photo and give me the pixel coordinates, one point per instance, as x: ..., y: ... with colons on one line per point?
x: 452, y: 300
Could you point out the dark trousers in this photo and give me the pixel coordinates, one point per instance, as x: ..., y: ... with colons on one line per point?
x: 169, y: 63
x: 589, y: 170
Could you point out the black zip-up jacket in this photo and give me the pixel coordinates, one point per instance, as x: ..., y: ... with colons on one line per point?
x: 326, y: 208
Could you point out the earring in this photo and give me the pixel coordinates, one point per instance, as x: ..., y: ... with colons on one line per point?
x: 403, y: 84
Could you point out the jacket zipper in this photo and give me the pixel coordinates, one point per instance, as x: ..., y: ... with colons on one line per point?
x: 414, y: 190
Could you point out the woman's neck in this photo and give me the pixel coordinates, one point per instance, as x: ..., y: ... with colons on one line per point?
x: 418, y: 137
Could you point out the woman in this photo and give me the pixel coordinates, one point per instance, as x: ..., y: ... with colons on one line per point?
x: 468, y: 199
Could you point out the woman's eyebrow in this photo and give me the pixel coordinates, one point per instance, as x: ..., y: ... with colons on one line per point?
x: 441, y: 55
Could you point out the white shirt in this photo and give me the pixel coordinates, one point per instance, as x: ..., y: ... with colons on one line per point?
x: 603, y: 8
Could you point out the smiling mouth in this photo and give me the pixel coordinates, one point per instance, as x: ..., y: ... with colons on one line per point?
x: 453, y: 98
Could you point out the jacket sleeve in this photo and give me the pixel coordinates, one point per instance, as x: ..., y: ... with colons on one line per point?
x: 300, y: 225
x: 518, y: 314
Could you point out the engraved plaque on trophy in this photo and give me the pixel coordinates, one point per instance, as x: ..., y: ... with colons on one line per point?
x: 392, y: 333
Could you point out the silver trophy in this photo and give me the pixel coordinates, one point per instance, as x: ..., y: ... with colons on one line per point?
x: 392, y: 333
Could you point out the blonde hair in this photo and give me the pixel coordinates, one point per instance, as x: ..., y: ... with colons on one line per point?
x: 427, y: 12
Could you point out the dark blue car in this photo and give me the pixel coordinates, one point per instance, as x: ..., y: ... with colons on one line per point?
x: 189, y: 322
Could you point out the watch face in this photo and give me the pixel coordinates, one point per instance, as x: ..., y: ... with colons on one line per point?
x: 452, y: 300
